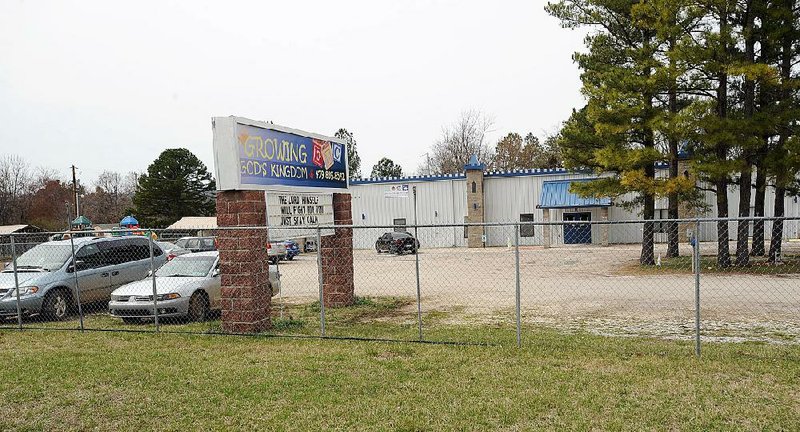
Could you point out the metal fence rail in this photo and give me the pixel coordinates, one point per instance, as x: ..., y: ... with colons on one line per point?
x: 616, y: 278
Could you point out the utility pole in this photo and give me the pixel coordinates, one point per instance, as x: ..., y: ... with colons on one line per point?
x: 75, y: 192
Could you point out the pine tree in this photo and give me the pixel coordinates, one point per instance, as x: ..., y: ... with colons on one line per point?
x: 353, y: 159
x: 618, y: 80
x: 176, y: 184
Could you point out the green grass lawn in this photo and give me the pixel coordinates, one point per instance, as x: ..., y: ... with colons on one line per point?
x: 59, y: 380
x: 683, y: 264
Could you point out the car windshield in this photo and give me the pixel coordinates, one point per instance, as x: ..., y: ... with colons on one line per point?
x: 45, y: 256
x: 188, y: 243
x: 186, y: 266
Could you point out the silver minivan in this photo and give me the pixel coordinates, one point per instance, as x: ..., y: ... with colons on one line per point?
x: 47, y: 274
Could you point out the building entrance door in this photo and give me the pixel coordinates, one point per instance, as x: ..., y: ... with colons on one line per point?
x: 575, y: 233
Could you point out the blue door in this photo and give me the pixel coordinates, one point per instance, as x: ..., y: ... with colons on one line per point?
x: 577, y: 233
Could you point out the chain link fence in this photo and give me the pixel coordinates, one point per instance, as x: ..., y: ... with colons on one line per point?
x: 701, y: 279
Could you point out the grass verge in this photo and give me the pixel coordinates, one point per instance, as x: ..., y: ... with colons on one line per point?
x: 683, y: 265
x: 56, y: 380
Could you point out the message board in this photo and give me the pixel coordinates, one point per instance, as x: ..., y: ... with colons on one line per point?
x: 296, y: 215
x: 253, y: 155
x: 396, y: 191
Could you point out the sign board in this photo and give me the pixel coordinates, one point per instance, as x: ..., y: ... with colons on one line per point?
x: 253, y: 155
x: 396, y: 191
x: 296, y: 215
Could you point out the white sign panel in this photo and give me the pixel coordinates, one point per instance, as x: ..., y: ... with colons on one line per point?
x: 396, y: 191
x: 296, y: 215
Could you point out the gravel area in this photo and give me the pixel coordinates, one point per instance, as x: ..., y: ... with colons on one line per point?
x: 574, y: 287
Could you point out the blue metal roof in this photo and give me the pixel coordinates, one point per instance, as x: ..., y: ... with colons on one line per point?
x: 556, y: 194
x: 473, y: 164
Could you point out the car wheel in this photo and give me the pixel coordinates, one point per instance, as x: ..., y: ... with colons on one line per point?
x: 273, y: 260
x: 131, y: 321
x: 198, y: 306
x: 56, y: 305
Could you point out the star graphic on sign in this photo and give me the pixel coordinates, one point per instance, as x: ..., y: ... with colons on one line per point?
x: 243, y: 138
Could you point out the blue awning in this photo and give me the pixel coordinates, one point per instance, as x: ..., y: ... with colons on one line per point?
x: 556, y: 194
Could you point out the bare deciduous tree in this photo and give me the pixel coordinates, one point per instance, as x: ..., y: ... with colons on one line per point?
x: 112, y: 195
x: 461, y: 140
x: 15, y: 183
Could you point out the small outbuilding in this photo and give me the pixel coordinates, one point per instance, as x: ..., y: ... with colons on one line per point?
x: 28, y: 237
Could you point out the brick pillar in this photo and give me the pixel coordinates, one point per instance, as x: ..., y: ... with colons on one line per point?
x: 337, y: 256
x: 246, y: 291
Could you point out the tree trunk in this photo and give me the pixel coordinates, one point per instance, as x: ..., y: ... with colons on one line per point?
x: 672, y: 198
x: 777, y: 226
x: 721, y: 153
x: 648, y: 254
x: 743, y: 226
x: 758, y: 211
x: 782, y: 177
x: 723, y: 237
x: 746, y: 177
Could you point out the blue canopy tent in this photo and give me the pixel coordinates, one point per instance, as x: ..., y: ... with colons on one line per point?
x: 129, y: 222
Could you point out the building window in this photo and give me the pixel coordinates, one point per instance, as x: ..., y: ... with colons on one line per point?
x: 526, y: 230
x: 474, y: 187
x: 466, y: 220
x: 660, y: 226
x: 399, y: 225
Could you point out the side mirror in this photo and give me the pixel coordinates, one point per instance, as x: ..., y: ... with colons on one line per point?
x: 78, y: 265
x: 215, y: 272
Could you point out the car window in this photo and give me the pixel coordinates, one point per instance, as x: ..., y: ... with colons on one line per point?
x: 208, y: 243
x: 116, y: 251
x: 186, y: 266
x: 141, y: 248
x: 92, y: 257
x: 47, y: 256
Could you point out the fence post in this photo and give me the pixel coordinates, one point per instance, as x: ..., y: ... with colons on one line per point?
x: 319, y: 275
x: 16, y: 280
x: 77, y: 286
x: 153, y: 278
x: 516, y: 257
x: 696, y: 255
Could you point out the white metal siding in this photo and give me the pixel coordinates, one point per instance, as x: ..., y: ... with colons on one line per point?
x: 505, y: 198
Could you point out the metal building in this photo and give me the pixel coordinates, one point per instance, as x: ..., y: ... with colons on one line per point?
x: 513, y: 196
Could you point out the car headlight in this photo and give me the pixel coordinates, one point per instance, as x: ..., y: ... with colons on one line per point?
x: 24, y: 291
x: 170, y: 296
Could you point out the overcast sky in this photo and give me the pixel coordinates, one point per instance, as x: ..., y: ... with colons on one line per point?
x: 108, y: 85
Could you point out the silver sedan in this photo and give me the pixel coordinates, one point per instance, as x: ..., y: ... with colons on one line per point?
x: 188, y: 286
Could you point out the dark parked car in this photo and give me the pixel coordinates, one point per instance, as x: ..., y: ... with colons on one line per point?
x: 197, y: 244
x: 397, y: 243
x: 292, y: 249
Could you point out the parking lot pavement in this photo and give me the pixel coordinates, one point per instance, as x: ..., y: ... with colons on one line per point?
x: 565, y: 286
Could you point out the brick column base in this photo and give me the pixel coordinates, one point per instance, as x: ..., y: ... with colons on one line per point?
x: 337, y: 256
x: 246, y: 291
